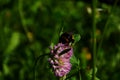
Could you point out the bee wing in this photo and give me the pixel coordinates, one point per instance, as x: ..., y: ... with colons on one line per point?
x: 64, y: 51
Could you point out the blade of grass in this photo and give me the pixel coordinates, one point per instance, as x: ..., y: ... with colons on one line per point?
x: 106, y: 26
x: 22, y: 19
x: 20, y: 7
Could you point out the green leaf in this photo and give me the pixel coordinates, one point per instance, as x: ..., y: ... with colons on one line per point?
x: 97, y: 78
x: 6, y: 69
x: 74, y: 60
x: 14, y: 42
x: 52, y: 45
x: 35, y: 6
x: 61, y: 31
x: 90, y: 72
x: 76, y: 37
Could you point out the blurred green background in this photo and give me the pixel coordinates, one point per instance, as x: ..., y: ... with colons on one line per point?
x: 28, y: 27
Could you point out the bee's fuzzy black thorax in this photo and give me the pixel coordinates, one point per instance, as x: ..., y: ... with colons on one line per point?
x: 66, y: 38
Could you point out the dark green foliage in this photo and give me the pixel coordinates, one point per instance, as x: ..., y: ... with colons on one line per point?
x: 29, y: 27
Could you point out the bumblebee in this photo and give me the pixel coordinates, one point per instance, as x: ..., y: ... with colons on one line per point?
x: 66, y: 38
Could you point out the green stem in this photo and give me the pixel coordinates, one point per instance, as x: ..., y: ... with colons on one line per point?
x: 94, y: 3
x: 79, y: 73
x: 106, y: 26
x: 35, y: 64
x: 20, y: 7
x: 62, y: 78
x: 23, y: 21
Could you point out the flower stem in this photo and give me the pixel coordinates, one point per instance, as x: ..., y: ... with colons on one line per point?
x: 94, y: 3
x: 62, y: 78
x: 106, y: 25
x: 35, y: 64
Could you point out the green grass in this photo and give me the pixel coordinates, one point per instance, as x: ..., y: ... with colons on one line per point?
x: 27, y: 29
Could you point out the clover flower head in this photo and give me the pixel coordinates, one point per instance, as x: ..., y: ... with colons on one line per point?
x: 60, y: 59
